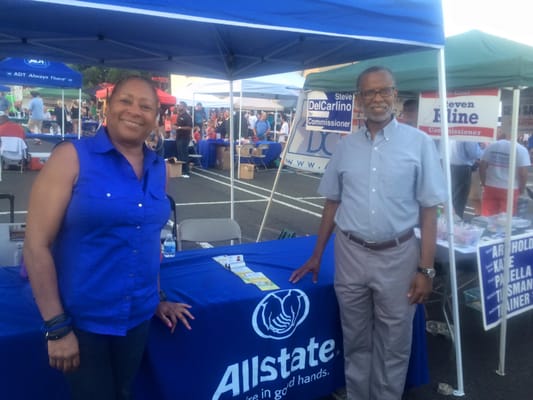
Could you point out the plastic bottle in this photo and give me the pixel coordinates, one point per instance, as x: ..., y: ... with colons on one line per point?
x: 18, y: 261
x: 169, y: 246
x: 17, y: 256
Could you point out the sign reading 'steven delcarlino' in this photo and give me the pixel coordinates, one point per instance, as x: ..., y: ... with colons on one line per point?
x: 330, y: 111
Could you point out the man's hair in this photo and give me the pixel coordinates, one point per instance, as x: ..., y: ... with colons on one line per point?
x: 371, y: 70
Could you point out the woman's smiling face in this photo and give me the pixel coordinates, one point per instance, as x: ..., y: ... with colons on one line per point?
x: 132, y: 111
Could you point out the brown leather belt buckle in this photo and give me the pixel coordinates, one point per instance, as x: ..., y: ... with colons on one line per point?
x: 377, y: 246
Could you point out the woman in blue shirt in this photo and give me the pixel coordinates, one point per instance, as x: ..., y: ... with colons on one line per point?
x: 92, y: 247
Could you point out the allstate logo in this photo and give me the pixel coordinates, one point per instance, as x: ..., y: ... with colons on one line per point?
x: 279, y: 313
x: 36, y: 62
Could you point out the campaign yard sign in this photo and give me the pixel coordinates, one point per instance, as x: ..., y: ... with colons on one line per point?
x: 520, y: 278
x: 330, y: 111
x: 471, y: 114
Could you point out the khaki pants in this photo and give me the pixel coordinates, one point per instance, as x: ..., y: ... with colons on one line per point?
x: 35, y: 125
x: 377, y: 319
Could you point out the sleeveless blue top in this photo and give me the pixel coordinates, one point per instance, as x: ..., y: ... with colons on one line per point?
x: 108, y: 246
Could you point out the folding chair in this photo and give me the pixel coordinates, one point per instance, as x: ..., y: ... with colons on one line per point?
x: 14, y: 151
x: 171, y: 225
x: 194, y: 157
x: 201, y: 230
x: 244, y: 151
x: 258, y: 156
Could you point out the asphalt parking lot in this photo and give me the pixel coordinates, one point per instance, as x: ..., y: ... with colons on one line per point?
x: 297, y: 207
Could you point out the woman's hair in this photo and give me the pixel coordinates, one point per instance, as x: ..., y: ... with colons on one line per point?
x: 123, y: 81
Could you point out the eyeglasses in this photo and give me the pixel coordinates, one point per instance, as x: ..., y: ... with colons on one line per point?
x: 383, y: 93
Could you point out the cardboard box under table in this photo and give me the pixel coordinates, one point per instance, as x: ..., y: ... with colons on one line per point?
x: 223, y: 157
x: 247, y: 171
x: 174, y: 167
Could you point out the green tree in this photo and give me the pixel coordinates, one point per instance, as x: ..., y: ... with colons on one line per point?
x: 94, y: 75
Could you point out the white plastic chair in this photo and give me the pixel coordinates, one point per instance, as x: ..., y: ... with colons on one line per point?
x: 13, y: 151
x: 201, y: 230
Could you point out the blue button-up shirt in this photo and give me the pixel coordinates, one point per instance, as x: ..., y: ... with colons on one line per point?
x: 381, y: 184
x: 464, y: 153
x: 107, y: 249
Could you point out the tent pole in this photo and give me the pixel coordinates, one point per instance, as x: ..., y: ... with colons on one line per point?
x: 240, y: 130
x: 231, y: 153
x: 301, y: 100
x: 445, y: 149
x: 507, y: 242
x: 62, y: 114
x: 79, y: 114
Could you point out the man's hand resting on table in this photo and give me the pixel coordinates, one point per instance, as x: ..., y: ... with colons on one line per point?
x: 311, y: 265
x: 170, y: 313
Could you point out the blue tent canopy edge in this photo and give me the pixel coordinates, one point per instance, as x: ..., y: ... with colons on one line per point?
x: 38, y: 72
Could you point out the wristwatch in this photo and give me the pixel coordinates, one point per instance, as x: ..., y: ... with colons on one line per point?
x: 428, y: 272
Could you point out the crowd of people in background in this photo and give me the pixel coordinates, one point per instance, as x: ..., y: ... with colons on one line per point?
x: 215, y: 123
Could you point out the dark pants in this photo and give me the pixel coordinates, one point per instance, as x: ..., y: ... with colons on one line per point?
x: 182, y: 146
x: 108, y: 364
x: 461, y: 181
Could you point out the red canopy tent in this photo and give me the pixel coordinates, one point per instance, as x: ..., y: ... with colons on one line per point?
x: 164, y: 97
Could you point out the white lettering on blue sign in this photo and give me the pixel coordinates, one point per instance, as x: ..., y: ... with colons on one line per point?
x: 242, y: 377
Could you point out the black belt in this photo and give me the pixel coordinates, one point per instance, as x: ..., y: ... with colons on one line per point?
x: 381, y: 245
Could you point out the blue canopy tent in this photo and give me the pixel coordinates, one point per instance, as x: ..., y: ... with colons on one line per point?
x: 226, y: 40
x: 40, y: 72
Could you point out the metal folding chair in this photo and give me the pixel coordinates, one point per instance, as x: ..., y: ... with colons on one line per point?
x: 206, y: 230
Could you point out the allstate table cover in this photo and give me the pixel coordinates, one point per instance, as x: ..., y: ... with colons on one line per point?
x: 245, y: 343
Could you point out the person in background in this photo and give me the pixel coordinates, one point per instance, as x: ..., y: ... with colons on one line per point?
x: 262, y: 127
x: 252, y: 119
x: 210, y: 132
x: 380, y: 183
x: 409, y: 114
x: 200, y: 116
x: 9, y: 128
x: 183, y: 137
x: 284, y: 129
x: 494, y: 173
x: 74, y: 115
x: 93, y: 253
x: 59, y: 118
x: 464, y: 159
x: 5, y: 104
x: 36, y: 110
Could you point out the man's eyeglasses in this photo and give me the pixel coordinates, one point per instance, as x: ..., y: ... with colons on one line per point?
x: 384, y: 93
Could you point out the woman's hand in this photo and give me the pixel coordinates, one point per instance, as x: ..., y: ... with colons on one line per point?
x: 64, y: 353
x: 170, y: 313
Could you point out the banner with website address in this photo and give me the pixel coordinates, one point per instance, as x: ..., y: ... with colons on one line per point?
x: 321, y: 119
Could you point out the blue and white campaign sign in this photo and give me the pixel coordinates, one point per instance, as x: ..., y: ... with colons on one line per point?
x: 330, y: 111
x: 520, y: 278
